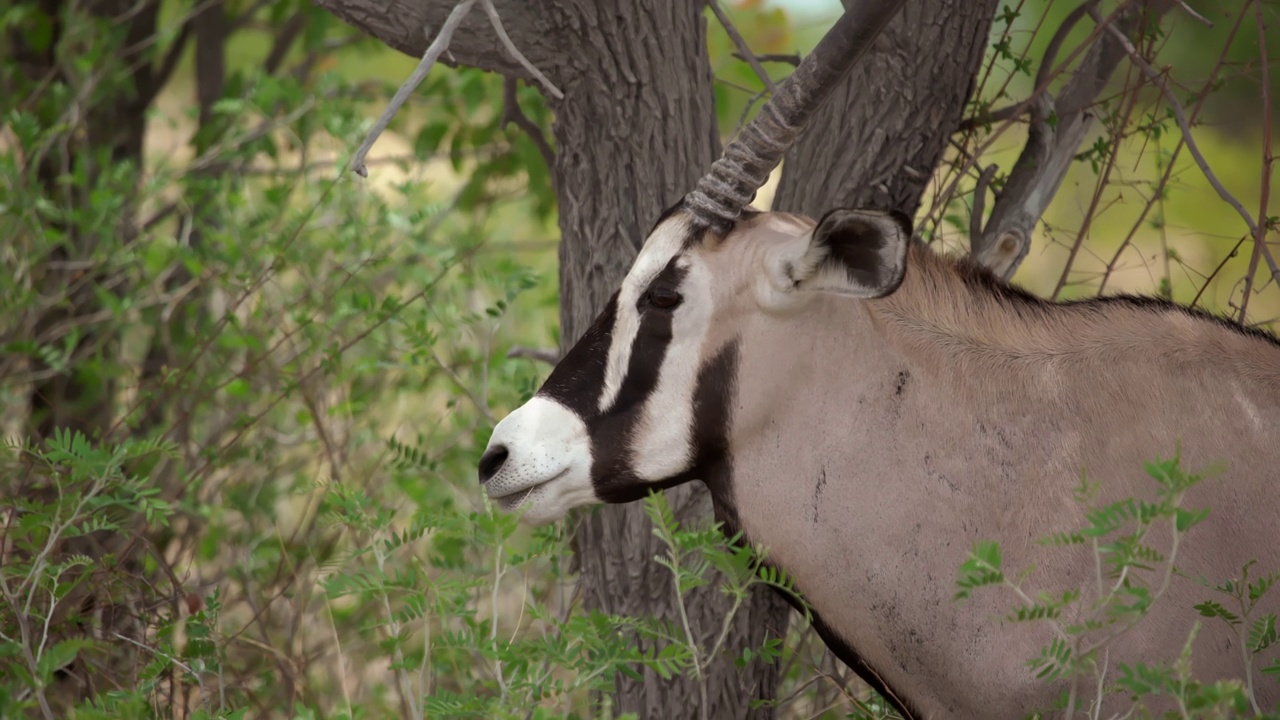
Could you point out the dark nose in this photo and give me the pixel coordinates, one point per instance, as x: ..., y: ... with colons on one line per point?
x: 491, y: 462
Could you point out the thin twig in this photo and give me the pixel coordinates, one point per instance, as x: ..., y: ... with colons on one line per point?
x: 744, y: 51
x: 546, y: 355
x: 433, y: 53
x: 512, y: 113
x: 515, y: 53
x: 1181, y: 117
x: 980, y: 200
x: 792, y: 59
x: 1260, y: 232
x: 1183, y: 4
x: 1159, y: 195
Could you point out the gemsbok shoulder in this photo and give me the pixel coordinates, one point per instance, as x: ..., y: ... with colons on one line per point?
x: 865, y: 410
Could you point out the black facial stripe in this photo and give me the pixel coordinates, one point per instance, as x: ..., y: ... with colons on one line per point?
x: 612, y: 471
x: 578, y: 379
x: 709, y: 428
x: 649, y: 347
x: 712, y: 399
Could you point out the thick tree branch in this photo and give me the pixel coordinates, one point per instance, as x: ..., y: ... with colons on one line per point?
x: 1058, y: 125
x: 533, y: 28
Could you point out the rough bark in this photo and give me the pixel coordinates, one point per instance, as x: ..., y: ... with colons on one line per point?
x: 878, y: 140
x: 634, y: 133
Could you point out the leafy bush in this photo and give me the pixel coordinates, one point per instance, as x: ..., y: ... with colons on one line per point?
x: 1133, y: 575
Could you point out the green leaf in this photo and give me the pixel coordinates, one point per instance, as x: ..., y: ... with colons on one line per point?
x: 1262, y: 633
x: 1209, y: 608
x: 1187, y: 519
x: 60, y: 655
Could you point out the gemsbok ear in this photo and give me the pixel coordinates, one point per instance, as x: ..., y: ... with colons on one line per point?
x: 861, y: 253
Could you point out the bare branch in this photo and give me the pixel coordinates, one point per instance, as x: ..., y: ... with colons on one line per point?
x: 515, y: 53
x: 433, y: 53
x: 1190, y: 11
x: 1058, y: 126
x: 546, y: 355
x: 980, y: 199
x: 792, y: 59
x: 744, y: 51
x: 1260, y: 232
x: 1180, y: 116
x: 511, y: 113
x: 538, y: 33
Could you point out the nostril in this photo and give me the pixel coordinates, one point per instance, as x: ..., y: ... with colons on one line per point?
x: 491, y: 462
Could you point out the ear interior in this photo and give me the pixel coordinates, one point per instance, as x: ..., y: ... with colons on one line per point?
x: 862, y: 253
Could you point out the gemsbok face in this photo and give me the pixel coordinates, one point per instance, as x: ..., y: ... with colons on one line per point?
x: 642, y: 401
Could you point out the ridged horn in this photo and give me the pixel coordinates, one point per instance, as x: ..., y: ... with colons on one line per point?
x: 730, y: 185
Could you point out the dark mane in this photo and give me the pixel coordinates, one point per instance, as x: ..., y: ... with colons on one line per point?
x: 983, y: 280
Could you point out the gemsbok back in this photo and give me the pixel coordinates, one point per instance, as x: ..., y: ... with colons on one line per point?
x: 865, y: 410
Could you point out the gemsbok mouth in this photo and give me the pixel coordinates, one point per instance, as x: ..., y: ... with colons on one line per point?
x: 510, y: 502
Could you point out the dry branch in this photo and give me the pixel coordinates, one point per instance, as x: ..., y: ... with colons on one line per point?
x: 1058, y: 125
x: 1180, y: 115
x: 515, y: 53
x: 433, y: 53
x: 744, y: 50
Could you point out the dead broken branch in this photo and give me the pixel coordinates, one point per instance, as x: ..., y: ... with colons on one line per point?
x: 434, y: 51
x: 1057, y: 127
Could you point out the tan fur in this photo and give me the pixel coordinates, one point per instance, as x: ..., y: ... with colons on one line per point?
x: 871, y: 498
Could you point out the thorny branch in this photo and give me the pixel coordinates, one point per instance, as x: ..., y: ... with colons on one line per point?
x: 1157, y: 196
x: 1180, y: 115
x: 1057, y: 128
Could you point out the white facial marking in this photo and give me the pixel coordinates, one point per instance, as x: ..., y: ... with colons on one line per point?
x: 665, y: 243
x: 663, y: 444
x: 548, y: 467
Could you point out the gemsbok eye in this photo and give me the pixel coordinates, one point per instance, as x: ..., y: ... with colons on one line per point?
x: 664, y: 298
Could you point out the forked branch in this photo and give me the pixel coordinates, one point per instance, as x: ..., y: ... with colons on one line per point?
x: 433, y: 53
x: 1057, y: 127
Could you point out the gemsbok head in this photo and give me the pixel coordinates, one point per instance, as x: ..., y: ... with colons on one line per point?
x: 864, y: 410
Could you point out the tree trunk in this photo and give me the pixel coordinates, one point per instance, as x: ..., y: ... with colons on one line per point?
x: 878, y: 140
x: 641, y: 141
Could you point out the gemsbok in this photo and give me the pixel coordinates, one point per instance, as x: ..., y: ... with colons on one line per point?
x: 864, y: 410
